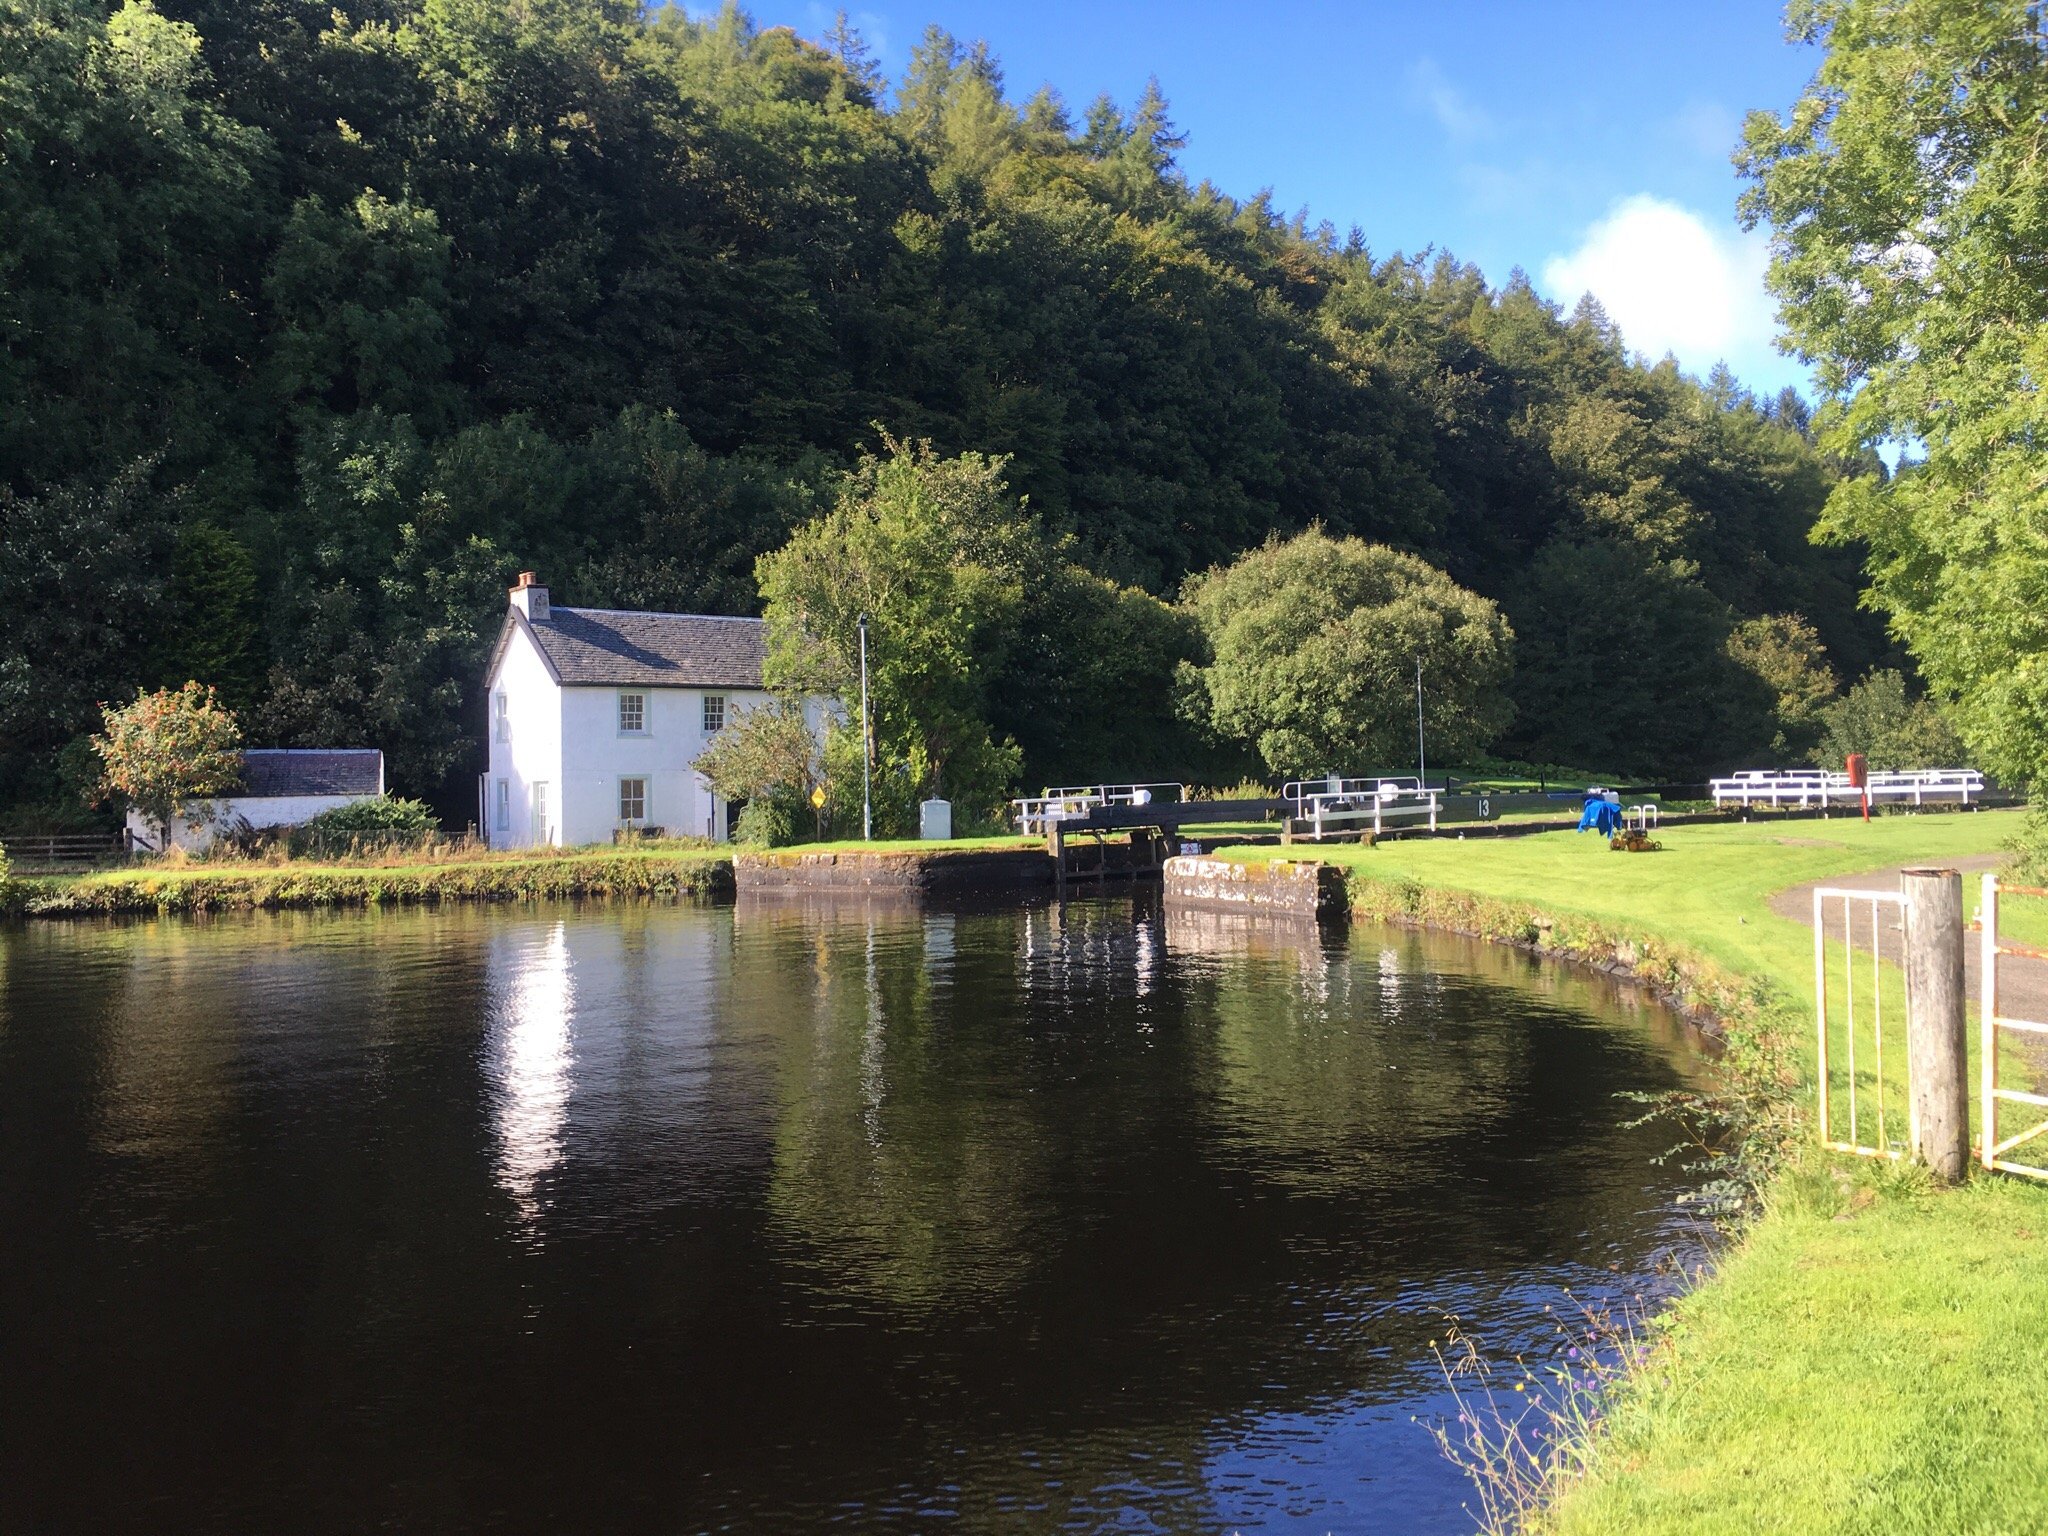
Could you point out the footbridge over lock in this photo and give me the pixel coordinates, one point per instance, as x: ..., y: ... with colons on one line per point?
x: 1077, y: 821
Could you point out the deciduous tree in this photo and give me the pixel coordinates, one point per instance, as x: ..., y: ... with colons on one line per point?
x: 937, y: 554
x: 1313, y: 648
x: 168, y: 753
x: 1907, y: 197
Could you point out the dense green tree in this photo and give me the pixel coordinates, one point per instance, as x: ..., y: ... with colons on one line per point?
x: 1313, y: 648
x: 1907, y: 197
x: 401, y: 296
x: 212, y: 626
x: 81, y: 584
x: 1782, y: 651
x: 937, y: 555
x: 1625, y: 666
x: 126, y: 229
x: 1892, y: 729
x: 771, y: 759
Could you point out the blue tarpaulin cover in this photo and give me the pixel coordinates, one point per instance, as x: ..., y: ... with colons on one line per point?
x: 1601, y: 815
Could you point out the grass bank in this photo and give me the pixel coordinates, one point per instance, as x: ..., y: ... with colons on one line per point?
x: 227, y: 887
x: 1868, y: 1353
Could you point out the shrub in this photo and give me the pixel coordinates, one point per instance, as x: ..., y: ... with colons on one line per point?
x: 384, y: 813
x: 772, y: 820
x: 380, y: 822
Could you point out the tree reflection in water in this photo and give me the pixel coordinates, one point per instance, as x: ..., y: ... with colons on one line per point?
x: 646, y: 1218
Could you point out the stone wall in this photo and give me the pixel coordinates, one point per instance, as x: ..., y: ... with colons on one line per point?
x: 906, y: 873
x: 1283, y: 887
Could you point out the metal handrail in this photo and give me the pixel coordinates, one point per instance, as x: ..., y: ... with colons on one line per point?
x: 1036, y: 812
x: 1383, y: 786
x: 1779, y: 786
x: 1321, y: 809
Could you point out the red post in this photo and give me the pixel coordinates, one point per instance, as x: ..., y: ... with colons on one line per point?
x: 1859, y: 778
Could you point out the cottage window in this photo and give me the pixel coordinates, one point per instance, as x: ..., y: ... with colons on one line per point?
x: 501, y: 715
x: 632, y: 714
x: 542, y: 828
x: 504, y: 817
x: 714, y: 713
x: 633, y: 801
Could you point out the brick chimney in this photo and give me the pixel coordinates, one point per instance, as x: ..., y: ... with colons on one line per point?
x: 530, y: 597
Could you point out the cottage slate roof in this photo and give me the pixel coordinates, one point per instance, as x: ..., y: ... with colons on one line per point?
x: 272, y: 773
x: 611, y: 647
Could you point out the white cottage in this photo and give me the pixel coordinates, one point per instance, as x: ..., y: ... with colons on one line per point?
x: 281, y: 787
x: 596, y: 715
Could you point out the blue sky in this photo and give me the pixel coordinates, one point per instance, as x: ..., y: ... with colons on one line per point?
x: 1587, y: 143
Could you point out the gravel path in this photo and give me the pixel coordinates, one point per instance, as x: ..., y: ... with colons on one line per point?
x: 2023, y: 983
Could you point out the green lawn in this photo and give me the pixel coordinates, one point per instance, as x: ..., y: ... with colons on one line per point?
x: 904, y: 845
x: 1709, y: 888
x: 1870, y: 1354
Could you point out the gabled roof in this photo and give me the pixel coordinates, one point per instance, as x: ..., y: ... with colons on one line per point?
x: 271, y: 773
x: 605, y: 647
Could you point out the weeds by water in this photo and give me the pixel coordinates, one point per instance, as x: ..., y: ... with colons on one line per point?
x: 1524, y: 1430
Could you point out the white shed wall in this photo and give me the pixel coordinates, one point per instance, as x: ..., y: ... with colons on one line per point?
x: 258, y: 811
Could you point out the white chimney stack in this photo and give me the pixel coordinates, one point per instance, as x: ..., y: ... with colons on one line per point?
x: 530, y: 597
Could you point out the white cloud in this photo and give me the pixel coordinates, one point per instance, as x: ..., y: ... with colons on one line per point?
x: 1459, y: 116
x: 1674, y: 283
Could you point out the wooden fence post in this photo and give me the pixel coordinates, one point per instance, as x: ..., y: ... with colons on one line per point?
x: 1935, y: 1042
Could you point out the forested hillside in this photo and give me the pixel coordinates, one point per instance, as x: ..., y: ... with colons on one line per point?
x: 322, y: 319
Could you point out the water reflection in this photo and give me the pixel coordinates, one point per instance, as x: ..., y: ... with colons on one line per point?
x: 531, y: 1059
x: 903, y: 1174
x: 786, y: 1216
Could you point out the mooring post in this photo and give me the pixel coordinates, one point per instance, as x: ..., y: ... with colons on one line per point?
x: 1936, y: 1052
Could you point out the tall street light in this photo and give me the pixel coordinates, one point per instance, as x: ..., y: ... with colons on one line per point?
x: 867, y: 744
x: 1421, y: 757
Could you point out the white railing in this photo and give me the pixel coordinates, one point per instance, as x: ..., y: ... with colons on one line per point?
x: 1340, y: 804
x: 1035, y: 813
x: 1920, y: 785
x: 1875, y: 924
x: 1808, y: 787
x: 1301, y: 789
x: 1992, y: 1149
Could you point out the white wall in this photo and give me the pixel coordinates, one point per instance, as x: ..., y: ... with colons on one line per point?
x: 534, y: 753
x: 569, y: 738
x: 596, y: 755
x: 258, y: 811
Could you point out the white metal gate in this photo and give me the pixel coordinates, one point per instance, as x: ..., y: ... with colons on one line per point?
x: 1992, y: 1149
x: 1883, y: 915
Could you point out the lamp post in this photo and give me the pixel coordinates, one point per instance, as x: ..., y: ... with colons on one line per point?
x: 1421, y: 756
x: 867, y: 744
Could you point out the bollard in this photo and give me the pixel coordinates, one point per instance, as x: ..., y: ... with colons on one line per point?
x: 1936, y: 1053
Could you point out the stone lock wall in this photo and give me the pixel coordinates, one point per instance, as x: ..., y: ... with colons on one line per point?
x: 963, y: 871
x: 1286, y: 888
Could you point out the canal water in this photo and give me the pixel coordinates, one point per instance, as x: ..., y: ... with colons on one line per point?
x: 783, y: 1219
